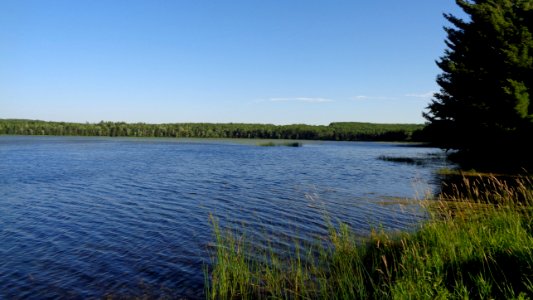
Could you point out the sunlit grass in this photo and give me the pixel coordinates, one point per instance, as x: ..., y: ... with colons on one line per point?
x: 477, y: 243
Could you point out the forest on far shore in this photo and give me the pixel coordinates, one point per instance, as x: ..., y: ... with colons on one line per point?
x: 340, y: 131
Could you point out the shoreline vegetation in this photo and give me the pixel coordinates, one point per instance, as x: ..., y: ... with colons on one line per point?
x: 476, y: 243
x: 340, y: 131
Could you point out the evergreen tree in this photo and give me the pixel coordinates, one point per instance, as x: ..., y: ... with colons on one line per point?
x: 484, y: 107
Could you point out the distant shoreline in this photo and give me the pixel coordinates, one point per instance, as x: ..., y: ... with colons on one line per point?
x: 339, y: 131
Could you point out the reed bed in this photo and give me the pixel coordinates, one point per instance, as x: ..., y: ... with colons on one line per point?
x: 478, y: 243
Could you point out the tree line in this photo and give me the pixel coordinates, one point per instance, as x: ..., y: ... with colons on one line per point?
x: 484, y: 107
x: 341, y: 131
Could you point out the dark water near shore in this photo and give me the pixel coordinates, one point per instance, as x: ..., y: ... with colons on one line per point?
x: 88, y: 217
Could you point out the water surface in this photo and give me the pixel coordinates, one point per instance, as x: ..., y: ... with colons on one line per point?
x: 89, y: 217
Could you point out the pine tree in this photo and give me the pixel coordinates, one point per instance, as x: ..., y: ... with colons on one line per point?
x: 484, y: 106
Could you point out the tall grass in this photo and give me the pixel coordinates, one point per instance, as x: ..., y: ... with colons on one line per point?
x: 477, y: 243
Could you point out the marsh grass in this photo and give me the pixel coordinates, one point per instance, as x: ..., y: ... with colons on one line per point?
x: 401, y: 159
x: 477, y: 243
x: 278, y: 144
x: 429, y: 158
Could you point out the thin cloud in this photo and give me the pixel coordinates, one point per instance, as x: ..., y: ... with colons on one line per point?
x: 421, y: 95
x: 301, y: 99
x: 364, y: 97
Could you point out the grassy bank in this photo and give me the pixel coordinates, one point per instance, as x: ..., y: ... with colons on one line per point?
x: 476, y: 244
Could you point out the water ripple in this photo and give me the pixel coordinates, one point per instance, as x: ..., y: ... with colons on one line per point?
x: 87, y: 217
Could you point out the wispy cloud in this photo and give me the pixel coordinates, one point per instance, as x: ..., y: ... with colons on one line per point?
x: 421, y: 95
x: 364, y: 97
x: 301, y: 99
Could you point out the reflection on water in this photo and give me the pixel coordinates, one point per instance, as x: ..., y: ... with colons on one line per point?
x: 88, y: 217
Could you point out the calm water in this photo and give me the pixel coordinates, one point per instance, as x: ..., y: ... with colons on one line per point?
x: 87, y: 217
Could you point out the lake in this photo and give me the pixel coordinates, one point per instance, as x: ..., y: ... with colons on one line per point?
x: 88, y: 217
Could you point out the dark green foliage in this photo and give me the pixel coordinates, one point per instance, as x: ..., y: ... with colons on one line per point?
x: 334, y: 131
x: 484, y: 106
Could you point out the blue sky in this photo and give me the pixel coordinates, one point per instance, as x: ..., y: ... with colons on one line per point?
x: 254, y: 61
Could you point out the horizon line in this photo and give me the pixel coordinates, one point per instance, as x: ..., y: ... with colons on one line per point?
x: 202, y: 122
